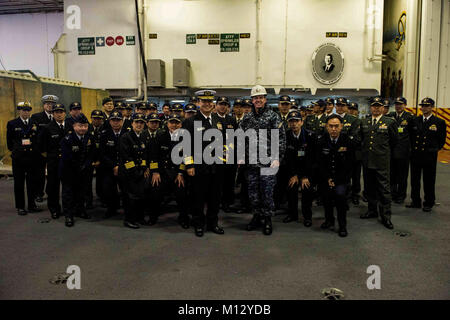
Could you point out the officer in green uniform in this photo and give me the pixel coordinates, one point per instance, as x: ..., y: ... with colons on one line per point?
x: 317, y: 121
x: 330, y: 106
x: 428, y: 134
x: 402, y: 153
x: 357, y: 163
x: 379, y: 136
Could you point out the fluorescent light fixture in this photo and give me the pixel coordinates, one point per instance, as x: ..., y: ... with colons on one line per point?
x: 130, y: 100
x: 178, y: 101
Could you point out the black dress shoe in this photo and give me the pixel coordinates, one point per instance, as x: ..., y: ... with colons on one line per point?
x: 426, y: 209
x: 69, y: 222
x: 216, y: 229
x: 369, y: 215
x: 55, y: 215
x: 184, y: 222
x: 85, y: 215
x: 130, y: 225
x: 199, y: 231
x: 388, y: 224
x: 307, y: 223
x: 342, y: 232
x: 288, y: 219
x: 327, y: 225
x: 39, y: 199
x: 267, y: 229
x: 152, y: 221
x: 254, y: 223
x: 413, y: 205
x: 21, y: 212
x: 34, y: 209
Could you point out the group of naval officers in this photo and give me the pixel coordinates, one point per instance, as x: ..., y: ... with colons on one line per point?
x: 320, y: 157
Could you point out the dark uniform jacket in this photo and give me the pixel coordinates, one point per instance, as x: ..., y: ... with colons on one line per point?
x: 133, y: 155
x: 76, y: 155
x: 224, y: 123
x: 378, y: 141
x: 41, y: 119
x: 300, y: 153
x: 284, y: 120
x: 188, y: 124
x: 316, y: 125
x: 405, y: 125
x: 109, y: 149
x: 50, y: 138
x: 428, y: 137
x: 22, y: 140
x: 95, y: 133
x: 161, y: 158
x: 335, y: 160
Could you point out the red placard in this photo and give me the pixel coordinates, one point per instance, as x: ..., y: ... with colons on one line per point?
x: 110, y: 41
x: 119, y: 40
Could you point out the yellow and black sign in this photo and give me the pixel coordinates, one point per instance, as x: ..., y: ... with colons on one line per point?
x: 213, y: 36
x: 153, y: 36
x: 202, y: 36
x: 244, y: 35
x: 342, y: 34
x: 331, y: 34
x: 213, y: 41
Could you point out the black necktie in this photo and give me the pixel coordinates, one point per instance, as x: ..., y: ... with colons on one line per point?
x: 62, y: 127
x: 26, y: 122
x: 374, y: 122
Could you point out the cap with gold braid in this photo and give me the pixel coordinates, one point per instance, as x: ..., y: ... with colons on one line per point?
x: 205, y: 94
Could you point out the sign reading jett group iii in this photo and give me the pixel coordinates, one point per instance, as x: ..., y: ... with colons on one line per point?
x: 229, y: 42
x: 86, y: 46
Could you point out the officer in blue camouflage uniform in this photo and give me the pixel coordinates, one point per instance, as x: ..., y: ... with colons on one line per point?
x: 21, y: 137
x: 77, y: 156
x: 261, y: 178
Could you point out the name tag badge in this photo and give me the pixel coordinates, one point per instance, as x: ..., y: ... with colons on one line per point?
x: 26, y: 142
x: 55, y: 136
x: 18, y: 129
x: 400, y: 130
x: 301, y: 153
x: 325, y: 151
x: 75, y: 148
x: 110, y: 143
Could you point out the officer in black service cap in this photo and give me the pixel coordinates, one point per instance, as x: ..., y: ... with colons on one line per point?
x: 190, y: 110
x: 109, y: 162
x: 402, y: 153
x: 74, y: 112
x: 49, y: 142
x: 77, y: 156
x: 300, y: 144
x: 21, y: 138
x: 133, y: 165
x: 335, y: 158
x: 172, y: 174
x: 379, y: 136
x: 428, y: 137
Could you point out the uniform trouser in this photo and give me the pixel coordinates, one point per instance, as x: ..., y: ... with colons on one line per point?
x: 426, y: 163
x: 378, y: 191
x: 40, y: 176
x: 24, y: 171
x: 356, y: 178
x: 111, y: 185
x: 73, y: 193
x: 307, y: 199
x: 134, y: 194
x: 335, y: 197
x: 282, y: 179
x: 399, y: 177
x: 207, y: 190
x: 229, y: 181
x: 53, y: 186
x: 260, y: 191
x: 168, y: 186
x: 98, y: 184
x: 242, y: 179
